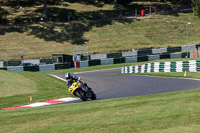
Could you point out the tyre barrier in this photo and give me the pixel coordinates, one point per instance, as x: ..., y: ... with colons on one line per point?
x: 174, y: 66
x: 148, y: 51
x: 133, y: 56
x: 35, y: 68
x: 109, y: 61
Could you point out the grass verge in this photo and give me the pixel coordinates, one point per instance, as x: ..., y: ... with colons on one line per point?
x: 169, y: 112
x: 17, y: 87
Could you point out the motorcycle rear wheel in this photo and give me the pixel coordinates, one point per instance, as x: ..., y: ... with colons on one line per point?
x: 93, y: 95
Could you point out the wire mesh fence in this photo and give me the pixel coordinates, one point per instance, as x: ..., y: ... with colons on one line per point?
x: 17, y: 55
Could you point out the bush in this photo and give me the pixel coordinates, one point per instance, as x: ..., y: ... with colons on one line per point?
x: 3, y: 13
x: 196, y: 7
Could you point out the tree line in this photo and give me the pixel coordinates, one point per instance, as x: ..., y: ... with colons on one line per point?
x: 45, y: 3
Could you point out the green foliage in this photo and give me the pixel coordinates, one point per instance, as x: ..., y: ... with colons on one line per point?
x: 3, y: 14
x: 196, y: 7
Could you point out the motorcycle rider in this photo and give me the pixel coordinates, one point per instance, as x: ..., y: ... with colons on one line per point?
x: 72, y: 79
x: 88, y: 91
x: 69, y: 79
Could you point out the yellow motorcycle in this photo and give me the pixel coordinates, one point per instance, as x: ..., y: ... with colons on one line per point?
x: 82, y: 91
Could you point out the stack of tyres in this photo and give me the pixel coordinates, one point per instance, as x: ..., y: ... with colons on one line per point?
x: 31, y: 68
x: 119, y: 60
x: 46, y: 61
x: 198, y: 65
x: 94, y: 62
x: 142, y: 58
x: 12, y: 63
x: 173, y: 49
x: 63, y: 66
x: 144, y: 52
x: 114, y: 55
x: 165, y: 56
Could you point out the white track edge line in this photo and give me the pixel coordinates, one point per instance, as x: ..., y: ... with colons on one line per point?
x: 58, y: 77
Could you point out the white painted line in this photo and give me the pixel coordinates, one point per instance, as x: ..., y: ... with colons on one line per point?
x: 58, y: 77
x: 39, y: 104
x: 68, y: 99
x: 45, y: 103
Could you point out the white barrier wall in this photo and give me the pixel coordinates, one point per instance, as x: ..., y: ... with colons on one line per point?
x: 1, y: 63
x: 175, y: 55
x: 107, y: 61
x: 98, y: 56
x: 84, y: 64
x: 188, y: 48
x: 35, y: 61
x: 16, y: 68
x: 153, y: 57
x: 47, y: 67
x: 159, y: 51
x: 134, y: 53
x: 130, y: 59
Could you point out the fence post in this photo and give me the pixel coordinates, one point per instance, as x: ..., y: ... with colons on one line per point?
x: 22, y: 56
x: 136, y: 12
x: 150, y: 10
x: 6, y: 59
x: 87, y: 53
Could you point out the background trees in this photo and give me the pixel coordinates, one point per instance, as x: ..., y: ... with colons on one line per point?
x: 43, y: 7
x: 196, y: 7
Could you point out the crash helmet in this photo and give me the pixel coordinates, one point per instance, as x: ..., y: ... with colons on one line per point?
x: 79, y: 78
x: 67, y: 75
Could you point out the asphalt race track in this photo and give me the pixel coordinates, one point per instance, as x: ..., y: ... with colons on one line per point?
x: 114, y: 86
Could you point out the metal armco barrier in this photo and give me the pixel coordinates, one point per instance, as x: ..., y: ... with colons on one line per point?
x: 177, y: 66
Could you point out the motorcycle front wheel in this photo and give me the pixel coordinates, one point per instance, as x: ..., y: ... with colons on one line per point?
x: 81, y: 95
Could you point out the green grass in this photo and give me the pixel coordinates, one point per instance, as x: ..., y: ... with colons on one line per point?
x: 166, y: 113
x: 17, y: 87
x: 169, y: 112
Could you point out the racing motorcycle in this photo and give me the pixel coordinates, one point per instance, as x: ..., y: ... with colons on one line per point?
x: 82, y: 91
